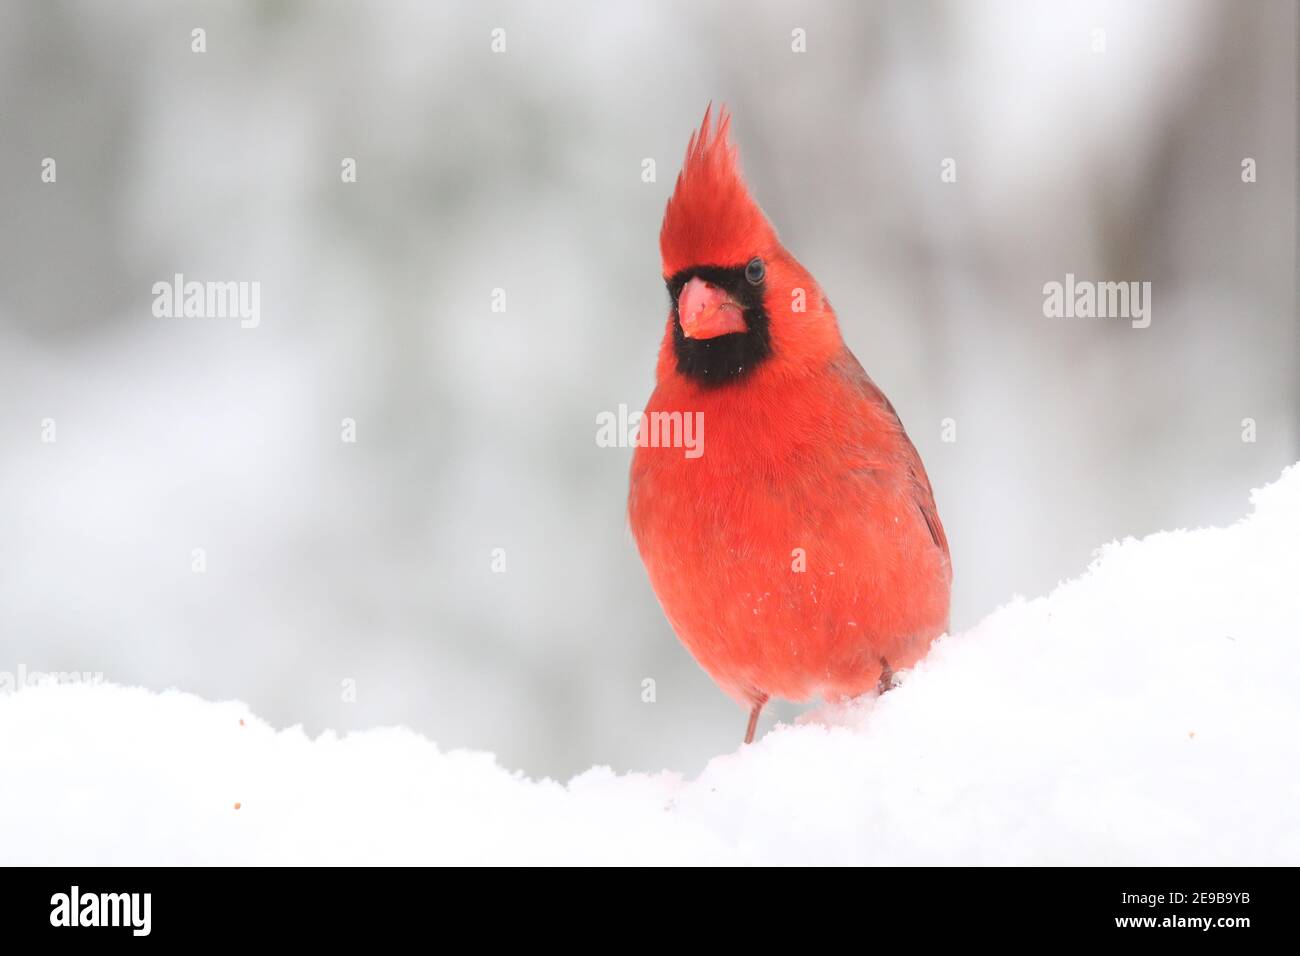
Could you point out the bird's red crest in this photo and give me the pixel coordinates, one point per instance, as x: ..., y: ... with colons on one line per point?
x: 711, y: 218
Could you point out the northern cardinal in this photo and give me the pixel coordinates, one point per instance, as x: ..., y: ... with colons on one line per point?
x: 801, y: 553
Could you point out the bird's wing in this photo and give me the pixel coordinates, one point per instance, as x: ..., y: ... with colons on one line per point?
x: 924, y: 496
x: 919, y: 482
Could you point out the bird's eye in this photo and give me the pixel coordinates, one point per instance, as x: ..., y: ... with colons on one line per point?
x: 755, y: 272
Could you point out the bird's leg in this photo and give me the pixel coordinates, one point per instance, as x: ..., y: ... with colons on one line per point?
x: 886, y: 677
x: 753, y: 719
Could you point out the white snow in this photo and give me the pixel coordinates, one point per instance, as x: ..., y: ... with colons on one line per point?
x: 1144, y: 713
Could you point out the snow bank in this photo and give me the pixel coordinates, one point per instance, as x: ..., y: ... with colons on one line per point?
x: 1146, y: 712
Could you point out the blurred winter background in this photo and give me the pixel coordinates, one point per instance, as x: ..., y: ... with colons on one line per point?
x: 370, y: 561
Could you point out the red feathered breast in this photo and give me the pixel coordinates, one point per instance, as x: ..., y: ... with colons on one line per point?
x: 801, y: 553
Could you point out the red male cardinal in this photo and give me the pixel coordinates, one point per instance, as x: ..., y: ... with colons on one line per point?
x: 801, y: 553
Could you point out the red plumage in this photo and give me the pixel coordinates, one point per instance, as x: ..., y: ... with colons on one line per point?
x: 802, y: 455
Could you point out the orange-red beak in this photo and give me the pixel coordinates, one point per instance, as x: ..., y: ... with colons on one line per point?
x: 705, y: 311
